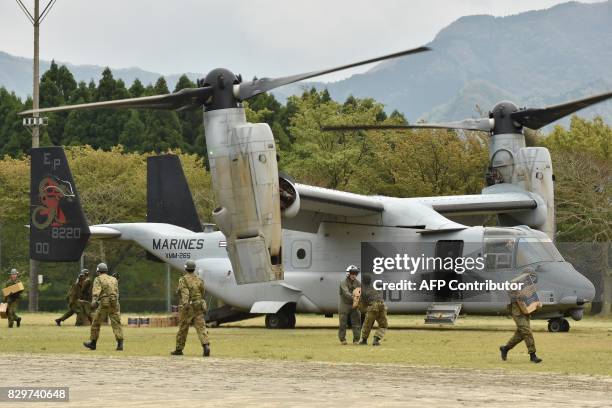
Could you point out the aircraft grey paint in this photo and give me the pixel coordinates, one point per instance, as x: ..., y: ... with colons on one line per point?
x: 311, y: 279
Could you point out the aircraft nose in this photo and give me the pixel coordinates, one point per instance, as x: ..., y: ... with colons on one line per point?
x: 587, y: 290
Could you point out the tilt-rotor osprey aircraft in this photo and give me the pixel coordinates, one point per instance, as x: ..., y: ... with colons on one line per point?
x: 256, y: 266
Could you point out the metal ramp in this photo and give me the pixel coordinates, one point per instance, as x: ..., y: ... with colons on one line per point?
x: 442, y: 313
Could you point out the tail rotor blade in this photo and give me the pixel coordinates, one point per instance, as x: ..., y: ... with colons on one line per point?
x: 249, y: 89
x: 535, y: 118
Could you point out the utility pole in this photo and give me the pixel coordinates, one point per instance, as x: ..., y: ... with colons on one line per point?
x: 35, y: 121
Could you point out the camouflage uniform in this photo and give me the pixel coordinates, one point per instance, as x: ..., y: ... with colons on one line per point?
x: 12, y: 301
x: 72, y: 296
x: 106, y: 293
x: 192, y: 307
x: 523, y: 329
x: 345, y: 309
x: 85, y: 300
x: 376, y: 310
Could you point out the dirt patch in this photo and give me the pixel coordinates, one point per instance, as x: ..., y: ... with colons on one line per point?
x: 185, y: 382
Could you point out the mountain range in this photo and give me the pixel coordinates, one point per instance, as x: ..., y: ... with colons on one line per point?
x: 533, y: 58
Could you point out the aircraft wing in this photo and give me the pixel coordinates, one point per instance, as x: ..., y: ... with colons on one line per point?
x: 333, y: 202
x: 482, y: 203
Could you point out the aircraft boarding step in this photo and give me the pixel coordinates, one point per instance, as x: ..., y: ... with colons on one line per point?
x: 442, y: 313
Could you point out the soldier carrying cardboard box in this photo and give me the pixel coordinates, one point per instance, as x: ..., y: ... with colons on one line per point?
x: 522, y: 303
x: 12, y: 293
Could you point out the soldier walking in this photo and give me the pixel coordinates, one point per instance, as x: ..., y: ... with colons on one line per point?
x: 12, y: 300
x: 376, y: 311
x: 72, y: 296
x: 85, y: 298
x: 192, y: 307
x: 523, y: 329
x: 105, y: 301
x: 346, y: 308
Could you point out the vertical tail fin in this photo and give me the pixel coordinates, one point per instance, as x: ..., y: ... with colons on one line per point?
x: 58, y: 228
x: 169, y: 199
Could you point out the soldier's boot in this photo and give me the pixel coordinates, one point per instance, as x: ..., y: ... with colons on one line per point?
x: 10, y: 325
x: 534, y: 359
x: 376, y: 341
x: 119, y: 345
x: 18, y: 321
x: 343, y: 342
x: 91, y: 344
x: 58, y: 322
x: 364, y: 342
x: 504, y: 352
x: 206, y: 349
x: 176, y: 352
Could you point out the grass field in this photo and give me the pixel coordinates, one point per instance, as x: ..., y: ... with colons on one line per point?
x: 472, y: 343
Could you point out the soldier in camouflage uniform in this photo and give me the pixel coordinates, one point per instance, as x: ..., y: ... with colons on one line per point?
x: 72, y: 296
x: 192, y: 307
x: 345, y: 305
x: 12, y: 300
x: 376, y: 311
x: 85, y: 297
x: 523, y: 329
x: 105, y: 300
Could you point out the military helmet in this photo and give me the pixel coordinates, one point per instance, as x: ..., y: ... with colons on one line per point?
x: 85, y: 271
x: 190, y: 266
x: 352, y: 269
x: 102, y: 267
x: 14, y: 272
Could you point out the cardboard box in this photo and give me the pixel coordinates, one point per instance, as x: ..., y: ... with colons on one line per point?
x: 3, y: 308
x: 16, y: 288
x: 527, y: 297
x: 356, y: 297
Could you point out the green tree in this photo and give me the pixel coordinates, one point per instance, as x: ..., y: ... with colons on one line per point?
x: 192, y: 120
x: 14, y: 138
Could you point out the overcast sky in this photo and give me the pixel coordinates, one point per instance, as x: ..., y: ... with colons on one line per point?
x: 252, y: 37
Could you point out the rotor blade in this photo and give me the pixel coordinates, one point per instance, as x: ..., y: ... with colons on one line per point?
x: 185, y: 98
x: 482, y: 125
x: 249, y: 89
x: 535, y: 118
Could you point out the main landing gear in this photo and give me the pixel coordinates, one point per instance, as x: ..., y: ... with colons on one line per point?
x: 283, y: 319
x: 558, y: 325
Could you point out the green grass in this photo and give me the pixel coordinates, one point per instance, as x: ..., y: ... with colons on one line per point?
x: 472, y: 343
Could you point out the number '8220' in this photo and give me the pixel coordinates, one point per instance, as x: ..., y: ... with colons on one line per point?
x: 65, y: 233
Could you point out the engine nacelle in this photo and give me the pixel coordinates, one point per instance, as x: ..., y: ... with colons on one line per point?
x: 245, y: 180
x: 533, y: 172
x: 289, y: 197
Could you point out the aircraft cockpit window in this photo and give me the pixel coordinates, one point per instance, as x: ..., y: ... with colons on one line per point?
x: 533, y: 250
x: 499, y: 253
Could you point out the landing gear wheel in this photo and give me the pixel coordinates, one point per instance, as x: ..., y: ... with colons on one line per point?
x: 565, y: 326
x: 277, y: 321
x: 555, y: 325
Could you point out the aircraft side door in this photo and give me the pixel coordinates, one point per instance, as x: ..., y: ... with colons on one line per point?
x: 447, y: 249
